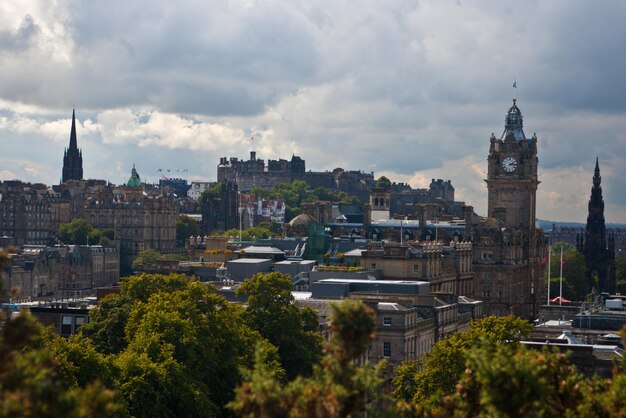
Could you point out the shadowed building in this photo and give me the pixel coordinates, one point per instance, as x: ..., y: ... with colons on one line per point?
x: 73, y: 157
x: 598, y: 249
x: 220, y: 208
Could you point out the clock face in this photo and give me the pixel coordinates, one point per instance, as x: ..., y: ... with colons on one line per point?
x: 509, y: 164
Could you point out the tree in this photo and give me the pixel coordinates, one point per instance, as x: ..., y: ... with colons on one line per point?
x: 383, y: 183
x: 339, y: 387
x: 146, y: 257
x: 248, y: 234
x: 435, y: 374
x: 80, y: 232
x: 75, y: 232
x: 185, y: 228
x: 35, y: 383
x: 293, y: 330
x: 575, y: 283
x: 177, y: 346
x: 297, y: 192
x: 510, y: 381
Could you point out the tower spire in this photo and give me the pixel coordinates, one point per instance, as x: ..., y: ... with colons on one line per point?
x: 599, y: 256
x: 597, y: 179
x: 72, y: 157
x: 73, y: 141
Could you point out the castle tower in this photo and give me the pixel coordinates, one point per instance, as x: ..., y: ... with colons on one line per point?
x: 508, y: 249
x: 599, y: 251
x: 72, y: 157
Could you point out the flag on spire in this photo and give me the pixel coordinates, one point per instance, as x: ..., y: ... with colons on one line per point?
x: 515, y: 84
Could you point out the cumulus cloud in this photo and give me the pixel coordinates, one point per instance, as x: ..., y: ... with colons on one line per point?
x: 410, y: 89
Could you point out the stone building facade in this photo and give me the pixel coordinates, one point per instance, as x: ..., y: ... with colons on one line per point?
x: 508, y: 248
x: 140, y: 218
x: 41, y: 272
x: 448, y: 269
x: 26, y: 213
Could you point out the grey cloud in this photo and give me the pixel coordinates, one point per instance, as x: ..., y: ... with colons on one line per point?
x: 400, y: 88
x: 22, y: 39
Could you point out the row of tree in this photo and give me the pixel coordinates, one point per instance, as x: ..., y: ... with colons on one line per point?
x: 166, y: 346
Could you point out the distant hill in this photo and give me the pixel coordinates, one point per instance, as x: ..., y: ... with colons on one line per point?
x: 547, y: 225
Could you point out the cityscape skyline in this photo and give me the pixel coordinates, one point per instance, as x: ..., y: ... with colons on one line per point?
x: 411, y: 91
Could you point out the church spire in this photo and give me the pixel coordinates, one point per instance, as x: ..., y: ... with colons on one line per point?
x: 73, y: 157
x: 73, y: 141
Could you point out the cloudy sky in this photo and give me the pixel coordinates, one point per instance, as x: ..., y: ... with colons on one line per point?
x: 407, y: 89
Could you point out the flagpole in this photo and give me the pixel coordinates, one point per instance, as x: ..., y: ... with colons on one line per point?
x: 549, y: 272
x: 561, y: 279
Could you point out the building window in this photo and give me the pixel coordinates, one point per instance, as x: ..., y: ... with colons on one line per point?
x: 373, y: 266
x: 79, y: 321
x: 416, y: 268
x: 387, y: 321
x: 386, y: 349
x: 66, y: 325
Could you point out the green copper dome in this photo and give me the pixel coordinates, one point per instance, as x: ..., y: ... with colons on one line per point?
x: 134, y: 181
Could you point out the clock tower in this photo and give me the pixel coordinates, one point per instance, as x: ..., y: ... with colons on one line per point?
x: 512, y: 174
x: 508, y: 249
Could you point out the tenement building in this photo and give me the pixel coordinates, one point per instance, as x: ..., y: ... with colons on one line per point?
x: 140, y: 217
x: 43, y: 272
x: 508, y: 248
x: 598, y: 247
x: 26, y: 212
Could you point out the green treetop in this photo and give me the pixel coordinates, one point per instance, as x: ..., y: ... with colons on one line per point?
x: 293, y: 330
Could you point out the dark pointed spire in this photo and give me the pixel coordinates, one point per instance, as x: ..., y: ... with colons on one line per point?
x: 72, y: 157
x: 599, y: 257
x: 597, y: 179
x: 73, y: 141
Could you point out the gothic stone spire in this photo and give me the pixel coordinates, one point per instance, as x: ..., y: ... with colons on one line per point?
x: 73, y: 157
x: 599, y: 256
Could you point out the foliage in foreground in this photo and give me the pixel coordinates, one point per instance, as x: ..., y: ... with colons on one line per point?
x: 436, y: 374
x: 505, y: 379
x: 36, y: 382
x: 339, y: 387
